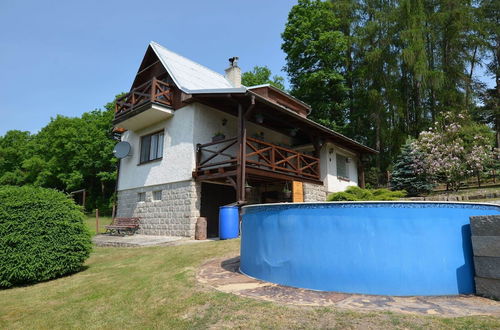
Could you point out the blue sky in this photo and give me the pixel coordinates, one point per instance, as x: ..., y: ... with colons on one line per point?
x: 68, y: 57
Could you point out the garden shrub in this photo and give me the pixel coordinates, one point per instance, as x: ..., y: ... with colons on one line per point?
x: 354, y: 193
x: 42, y: 235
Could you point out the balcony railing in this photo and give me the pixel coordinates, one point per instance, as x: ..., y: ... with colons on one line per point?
x: 214, y: 156
x: 152, y: 91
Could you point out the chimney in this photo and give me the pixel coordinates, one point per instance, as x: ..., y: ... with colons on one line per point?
x: 233, y: 73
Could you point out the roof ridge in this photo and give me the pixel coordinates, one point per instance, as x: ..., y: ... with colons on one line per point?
x: 184, y: 57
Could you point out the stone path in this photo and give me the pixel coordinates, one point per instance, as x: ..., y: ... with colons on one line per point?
x: 223, y: 275
x: 141, y: 240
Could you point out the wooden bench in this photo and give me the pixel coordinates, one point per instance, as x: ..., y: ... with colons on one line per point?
x: 122, y: 226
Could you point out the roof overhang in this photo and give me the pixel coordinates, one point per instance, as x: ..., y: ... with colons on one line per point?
x: 228, y: 100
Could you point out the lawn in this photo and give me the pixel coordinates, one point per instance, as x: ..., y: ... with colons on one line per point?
x: 155, y: 287
x: 90, y: 222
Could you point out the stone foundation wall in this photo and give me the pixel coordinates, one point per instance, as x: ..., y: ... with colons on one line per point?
x: 174, y: 215
x: 485, y: 231
x: 314, y: 192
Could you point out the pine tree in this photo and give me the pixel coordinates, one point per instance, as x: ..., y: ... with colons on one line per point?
x: 404, y: 176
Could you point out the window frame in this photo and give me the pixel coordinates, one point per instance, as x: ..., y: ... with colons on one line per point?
x: 140, y: 195
x: 142, y: 145
x: 337, y: 160
x: 155, y: 192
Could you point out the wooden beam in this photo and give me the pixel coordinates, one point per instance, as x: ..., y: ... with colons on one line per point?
x: 241, y: 159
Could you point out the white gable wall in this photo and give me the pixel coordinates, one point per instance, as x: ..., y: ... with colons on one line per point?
x: 178, y: 159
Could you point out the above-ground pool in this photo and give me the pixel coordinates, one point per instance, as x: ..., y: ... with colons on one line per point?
x: 383, y: 248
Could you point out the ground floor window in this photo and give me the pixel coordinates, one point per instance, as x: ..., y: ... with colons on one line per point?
x: 141, y: 196
x: 157, y: 195
x: 342, y: 167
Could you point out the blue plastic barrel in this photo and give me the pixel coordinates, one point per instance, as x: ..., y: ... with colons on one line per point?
x: 228, y: 222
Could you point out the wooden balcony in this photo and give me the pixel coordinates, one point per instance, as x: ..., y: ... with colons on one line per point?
x: 147, y: 103
x: 217, y: 160
x: 151, y: 91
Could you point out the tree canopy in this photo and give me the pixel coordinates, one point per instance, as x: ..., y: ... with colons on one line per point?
x: 383, y: 71
x: 261, y: 75
x: 67, y: 154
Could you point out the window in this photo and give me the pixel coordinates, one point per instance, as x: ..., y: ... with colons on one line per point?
x: 151, y: 147
x: 141, y: 196
x: 157, y: 195
x: 342, y: 167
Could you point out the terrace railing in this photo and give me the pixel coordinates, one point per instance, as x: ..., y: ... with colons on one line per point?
x: 259, y: 154
x: 154, y: 90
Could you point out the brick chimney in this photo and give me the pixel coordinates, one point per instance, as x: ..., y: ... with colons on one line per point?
x: 233, y: 73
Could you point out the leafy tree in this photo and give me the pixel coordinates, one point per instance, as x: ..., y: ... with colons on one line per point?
x: 67, y: 154
x: 405, y: 175
x: 453, y: 150
x: 14, y: 149
x: 261, y: 75
x: 316, y: 54
x: 381, y: 71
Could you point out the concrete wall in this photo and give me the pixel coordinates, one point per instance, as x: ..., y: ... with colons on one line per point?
x: 485, y: 232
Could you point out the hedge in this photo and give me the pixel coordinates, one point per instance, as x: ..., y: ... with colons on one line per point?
x: 353, y: 193
x: 42, y: 235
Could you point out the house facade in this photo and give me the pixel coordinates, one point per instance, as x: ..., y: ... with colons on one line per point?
x: 200, y: 140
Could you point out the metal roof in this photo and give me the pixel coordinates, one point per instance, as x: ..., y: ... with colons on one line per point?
x: 192, y: 77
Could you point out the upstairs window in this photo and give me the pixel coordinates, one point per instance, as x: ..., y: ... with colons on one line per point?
x: 342, y: 167
x: 151, y: 147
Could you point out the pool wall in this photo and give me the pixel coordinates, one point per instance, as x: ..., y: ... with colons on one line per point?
x: 395, y: 248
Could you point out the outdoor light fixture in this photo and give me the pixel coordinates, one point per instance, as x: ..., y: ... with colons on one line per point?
x: 259, y: 118
x: 224, y: 121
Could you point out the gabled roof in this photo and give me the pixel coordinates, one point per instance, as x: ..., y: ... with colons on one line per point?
x: 190, y: 76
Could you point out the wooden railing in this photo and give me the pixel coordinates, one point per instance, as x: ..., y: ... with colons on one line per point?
x: 259, y: 155
x: 268, y: 156
x: 154, y: 90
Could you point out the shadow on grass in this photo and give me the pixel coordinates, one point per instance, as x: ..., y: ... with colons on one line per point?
x: 32, y: 283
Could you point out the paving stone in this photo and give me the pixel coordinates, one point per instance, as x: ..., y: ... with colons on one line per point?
x: 222, y: 274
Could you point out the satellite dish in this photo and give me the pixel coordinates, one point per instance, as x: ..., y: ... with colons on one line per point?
x: 122, y: 149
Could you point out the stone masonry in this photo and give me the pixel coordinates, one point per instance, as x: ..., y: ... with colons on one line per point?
x: 175, y: 214
x: 314, y: 192
x: 485, y: 231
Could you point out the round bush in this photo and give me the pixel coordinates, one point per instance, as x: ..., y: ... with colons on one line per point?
x: 42, y: 235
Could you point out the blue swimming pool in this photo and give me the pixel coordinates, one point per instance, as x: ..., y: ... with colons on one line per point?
x: 383, y: 248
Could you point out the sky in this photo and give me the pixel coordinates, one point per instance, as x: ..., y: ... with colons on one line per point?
x: 69, y: 57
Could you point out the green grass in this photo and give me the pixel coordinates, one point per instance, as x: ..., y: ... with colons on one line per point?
x: 155, y: 288
x: 90, y: 222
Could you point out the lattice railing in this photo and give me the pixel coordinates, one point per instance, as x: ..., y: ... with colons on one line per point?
x: 154, y: 90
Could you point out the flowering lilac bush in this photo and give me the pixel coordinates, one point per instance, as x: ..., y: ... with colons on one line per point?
x: 450, y: 151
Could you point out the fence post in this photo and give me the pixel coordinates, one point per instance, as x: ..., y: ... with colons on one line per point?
x: 97, y: 221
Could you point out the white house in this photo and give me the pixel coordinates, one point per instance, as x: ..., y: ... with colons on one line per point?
x: 199, y: 140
